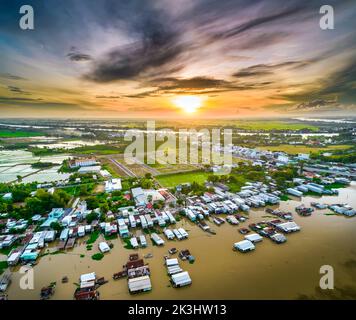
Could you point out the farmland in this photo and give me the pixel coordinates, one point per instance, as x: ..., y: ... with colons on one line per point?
x: 295, y: 149
x: 172, y: 180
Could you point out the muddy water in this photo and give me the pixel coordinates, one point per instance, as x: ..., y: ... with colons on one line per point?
x: 270, y: 272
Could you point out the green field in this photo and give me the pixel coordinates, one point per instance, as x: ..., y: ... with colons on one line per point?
x: 295, y: 149
x: 172, y: 180
x: 18, y: 134
x: 272, y: 125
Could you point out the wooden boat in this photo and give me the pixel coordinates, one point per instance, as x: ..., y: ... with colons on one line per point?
x: 172, y: 251
x: 244, y: 230
x: 83, y: 294
x: 119, y: 275
x: 47, y: 292
x: 101, y: 281
x: 3, y: 297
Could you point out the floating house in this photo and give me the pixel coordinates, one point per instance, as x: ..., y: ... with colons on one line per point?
x: 253, y: 237
x: 156, y: 239
x: 294, y: 192
x: 104, y: 247
x: 181, y: 279
x: 169, y: 234
x: 139, y: 284
x: 183, y: 233
x: 143, y: 241
x: 244, y: 246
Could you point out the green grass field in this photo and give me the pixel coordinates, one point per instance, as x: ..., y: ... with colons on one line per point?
x: 295, y: 149
x: 172, y: 180
x: 18, y: 134
x: 272, y: 125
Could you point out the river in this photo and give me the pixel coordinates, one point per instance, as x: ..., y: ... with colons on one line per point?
x: 272, y: 271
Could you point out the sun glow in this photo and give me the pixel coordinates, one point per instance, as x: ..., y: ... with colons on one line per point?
x: 189, y: 104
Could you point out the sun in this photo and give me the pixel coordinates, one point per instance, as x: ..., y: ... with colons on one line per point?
x: 189, y: 104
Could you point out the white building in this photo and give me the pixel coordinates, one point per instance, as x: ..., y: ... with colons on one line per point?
x: 113, y: 185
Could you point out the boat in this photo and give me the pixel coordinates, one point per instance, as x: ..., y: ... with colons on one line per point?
x: 5, y: 281
x: 218, y: 221
x: 148, y: 255
x: 3, y: 297
x: 47, y: 292
x: 172, y: 251
x: 65, y: 279
x: 304, y: 211
x: 244, y: 230
x: 119, y: 275
x: 101, y: 281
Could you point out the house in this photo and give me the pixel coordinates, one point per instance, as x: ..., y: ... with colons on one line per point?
x: 244, y: 246
x: 104, y: 247
x: 143, y: 241
x: 139, y: 196
x: 181, y: 279
x: 113, y: 185
x: 156, y: 239
x: 140, y: 284
x: 134, y: 243
x: 91, y: 169
x: 253, y: 237
x: 82, y: 162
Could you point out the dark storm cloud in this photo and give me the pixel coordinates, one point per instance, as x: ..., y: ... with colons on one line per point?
x: 76, y: 56
x: 17, y: 90
x: 268, y: 69
x: 339, y: 85
x: 196, y: 85
x: 10, y: 76
x: 157, y: 48
x: 108, y: 97
x: 261, y: 21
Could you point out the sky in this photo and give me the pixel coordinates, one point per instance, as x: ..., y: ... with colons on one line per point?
x: 138, y: 58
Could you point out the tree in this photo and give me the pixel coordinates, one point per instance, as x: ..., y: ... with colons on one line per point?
x: 91, y: 217
x: 56, y: 226
x: 92, y: 203
x: 148, y: 175
x: 83, y: 190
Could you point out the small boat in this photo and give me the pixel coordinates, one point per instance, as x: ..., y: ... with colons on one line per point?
x: 119, y: 275
x: 65, y: 279
x: 3, y: 297
x: 172, y: 251
x: 148, y: 255
x: 101, y: 281
x: 47, y: 292
x: 244, y: 230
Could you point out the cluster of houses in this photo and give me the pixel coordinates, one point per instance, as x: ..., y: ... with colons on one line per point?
x: 274, y: 230
x: 344, y: 209
x: 302, y: 187
x: 179, y: 278
x: 222, y: 201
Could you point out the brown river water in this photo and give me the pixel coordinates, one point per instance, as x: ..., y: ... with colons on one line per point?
x: 272, y: 271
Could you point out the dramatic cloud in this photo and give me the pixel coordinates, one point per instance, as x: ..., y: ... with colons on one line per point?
x: 10, y: 76
x: 131, y: 57
x: 17, y: 90
x: 74, y: 56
